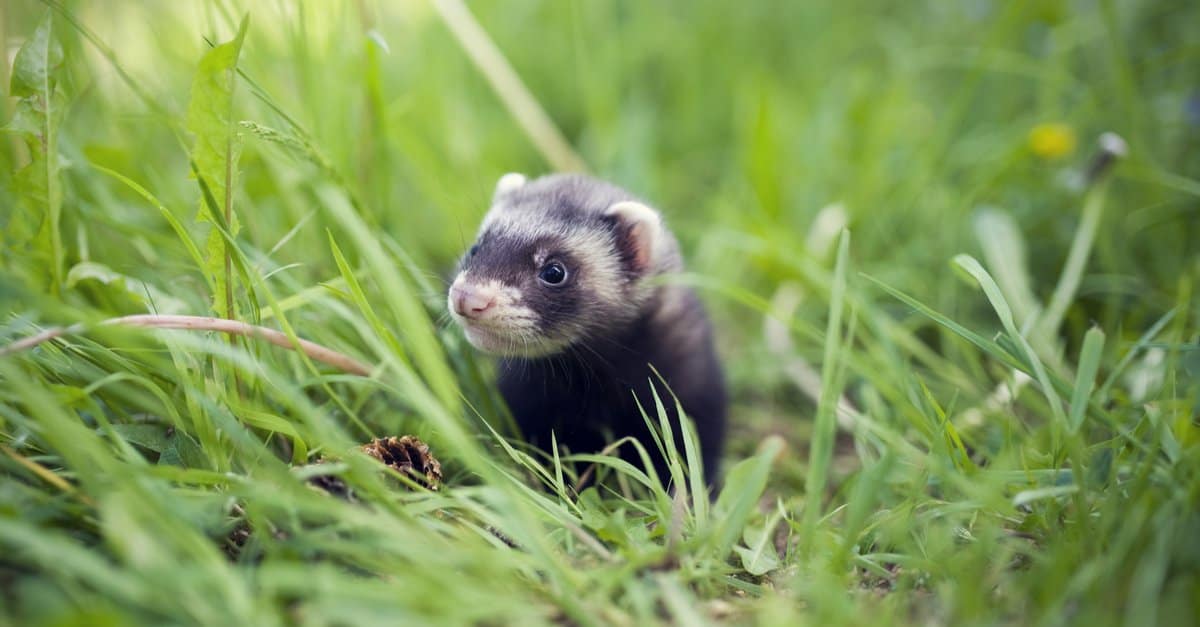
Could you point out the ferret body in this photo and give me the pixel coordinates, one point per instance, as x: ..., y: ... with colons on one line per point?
x: 560, y: 283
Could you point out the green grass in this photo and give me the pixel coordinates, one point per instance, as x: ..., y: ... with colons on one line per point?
x: 1006, y: 358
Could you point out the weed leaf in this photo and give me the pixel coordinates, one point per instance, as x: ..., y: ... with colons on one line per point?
x: 216, y: 151
x: 32, y: 229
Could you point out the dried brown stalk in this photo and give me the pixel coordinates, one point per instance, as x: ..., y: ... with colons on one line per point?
x: 204, y: 323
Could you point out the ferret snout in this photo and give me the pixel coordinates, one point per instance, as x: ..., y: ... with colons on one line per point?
x: 471, y: 301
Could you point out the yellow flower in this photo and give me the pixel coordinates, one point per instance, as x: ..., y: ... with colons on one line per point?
x: 1051, y: 141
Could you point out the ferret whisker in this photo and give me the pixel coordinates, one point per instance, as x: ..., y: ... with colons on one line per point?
x: 601, y: 358
x: 443, y: 321
x: 588, y: 367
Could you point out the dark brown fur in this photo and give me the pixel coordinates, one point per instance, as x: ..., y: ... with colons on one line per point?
x: 585, y: 395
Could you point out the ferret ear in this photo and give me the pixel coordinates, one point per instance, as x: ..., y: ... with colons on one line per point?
x: 639, y: 232
x: 508, y: 183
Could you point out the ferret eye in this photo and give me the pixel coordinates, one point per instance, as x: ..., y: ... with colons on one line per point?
x: 553, y: 273
x: 474, y: 249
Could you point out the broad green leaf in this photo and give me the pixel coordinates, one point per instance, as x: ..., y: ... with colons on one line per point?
x: 215, y: 153
x: 32, y: 230
x: 150, y: 436
x: 744, y: 485
x: 759, y: 556
x: 155, y: 299
x: 182, y: 451
x: 37, y: 62
x: 271, y: 422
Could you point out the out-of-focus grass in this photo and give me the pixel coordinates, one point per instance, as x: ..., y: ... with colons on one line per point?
x: 991, y: 466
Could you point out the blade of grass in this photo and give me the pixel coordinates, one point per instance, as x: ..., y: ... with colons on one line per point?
x: 1004, y: 251
x: 1103, y: 392
x: 405, y: 305
x: 825, y: 427
x: 1000, y: 305
x: 1072, y: 273
x: 988, y: 346
x: 1085, y: 380
x: 508, y: 86
x: 180, y: 232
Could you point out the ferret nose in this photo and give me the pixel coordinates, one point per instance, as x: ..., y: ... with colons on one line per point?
x: 470, y: 302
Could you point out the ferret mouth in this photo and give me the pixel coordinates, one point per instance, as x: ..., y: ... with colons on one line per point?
x: 507, y: 342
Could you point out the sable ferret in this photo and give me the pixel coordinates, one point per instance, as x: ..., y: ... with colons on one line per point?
x: 560, y: 283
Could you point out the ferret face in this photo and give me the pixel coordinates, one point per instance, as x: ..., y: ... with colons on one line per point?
x: 518, y: 295
x: 558, y: 261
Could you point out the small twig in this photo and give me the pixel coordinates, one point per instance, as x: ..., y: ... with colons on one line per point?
x: 204, y: 323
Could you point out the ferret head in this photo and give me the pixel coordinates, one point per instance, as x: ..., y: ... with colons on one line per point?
x: 558, y: 261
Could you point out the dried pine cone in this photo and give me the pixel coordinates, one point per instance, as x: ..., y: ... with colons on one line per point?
x: 409, y: 456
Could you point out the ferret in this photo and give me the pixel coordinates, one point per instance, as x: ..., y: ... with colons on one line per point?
x: 561, y: 283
